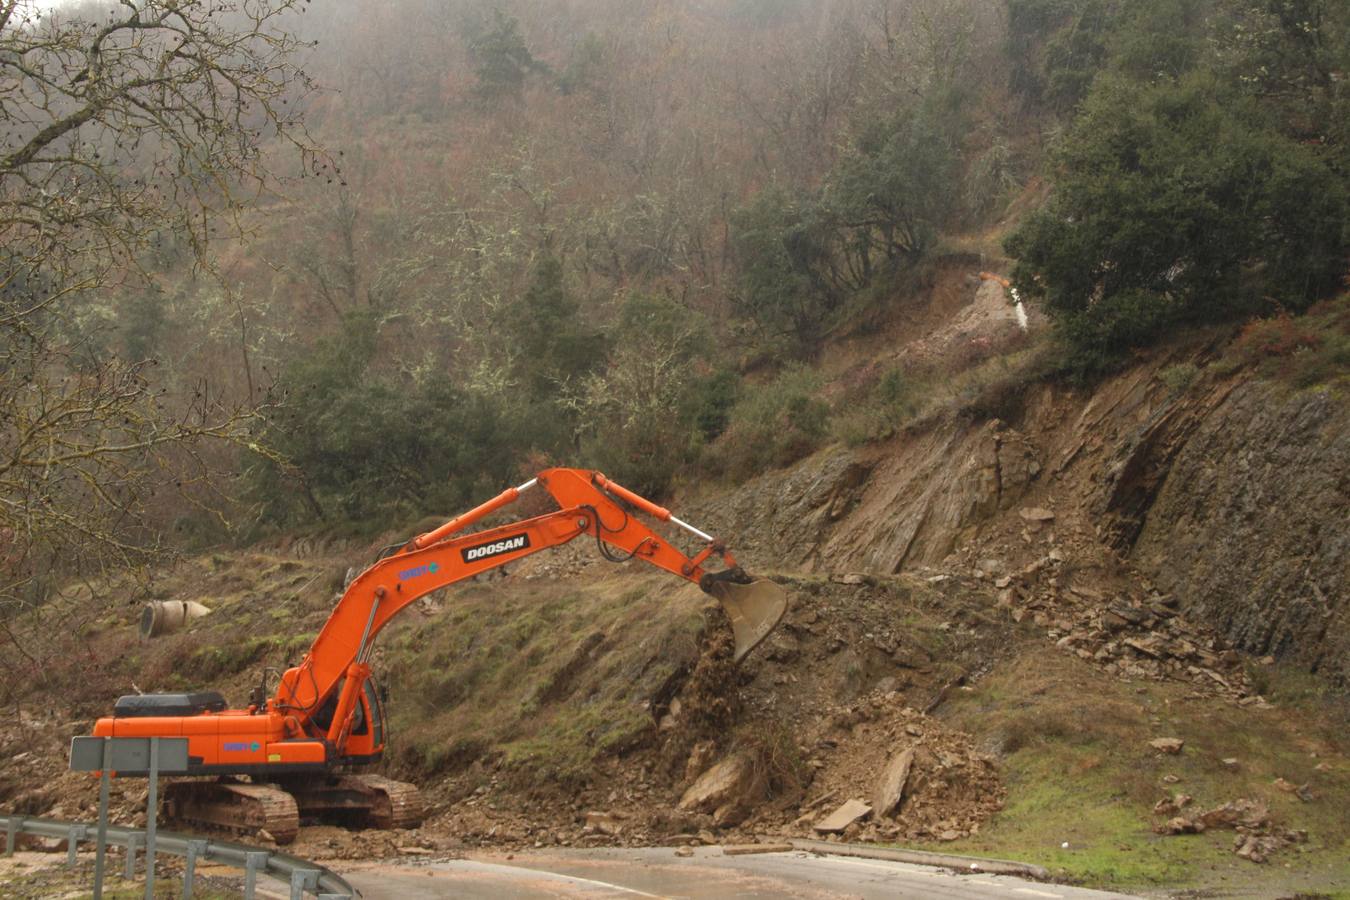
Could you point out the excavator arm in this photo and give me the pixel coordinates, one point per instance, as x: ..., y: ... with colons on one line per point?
x: 590, y: 504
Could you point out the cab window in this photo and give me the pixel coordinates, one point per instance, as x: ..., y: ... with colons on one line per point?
x: 376, y: 714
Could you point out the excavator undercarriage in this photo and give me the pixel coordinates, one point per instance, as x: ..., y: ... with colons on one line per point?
x: 280, y: 807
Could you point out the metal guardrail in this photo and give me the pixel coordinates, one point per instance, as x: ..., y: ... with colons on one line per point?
x: 302, y: 875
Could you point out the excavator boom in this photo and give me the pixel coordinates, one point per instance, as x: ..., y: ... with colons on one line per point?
x: 590, y: 504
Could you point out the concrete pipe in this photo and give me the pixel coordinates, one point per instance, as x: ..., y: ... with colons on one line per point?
x: 167, y: 616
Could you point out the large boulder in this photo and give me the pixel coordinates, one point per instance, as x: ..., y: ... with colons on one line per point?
x: 849, y: 812
x: 729, y: 790
x: 891, y: 786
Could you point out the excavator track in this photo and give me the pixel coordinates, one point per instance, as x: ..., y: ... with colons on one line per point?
x: 364, y: 801
x: 397, y: 803
x: 234, y: 806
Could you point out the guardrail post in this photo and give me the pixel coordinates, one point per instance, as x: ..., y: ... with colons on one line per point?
x: 253, y: 862
x: 74, y: 835
x: 303, y: 880
x: 12, y: 828
x: 194, y: 849
x: 133, y: 842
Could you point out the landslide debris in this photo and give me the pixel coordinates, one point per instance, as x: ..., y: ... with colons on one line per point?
x: 928, y: 780
x: 1257, y: 836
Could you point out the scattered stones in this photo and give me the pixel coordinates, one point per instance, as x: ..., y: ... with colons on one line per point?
x: 1256, y: 838
x: 1036, y: 514
x: 1179, y: 825
x: 700, y: 758
x: 735, y: 781
x: 1298, y: 790
x: 1128, y: 615
x: 684, y: 852
x: 604, y: 823
x: 1258, y: 848
x: 1170, y: 806
x: 1247, y: 816
x: 1150, y: 646
x: 1168, y: 745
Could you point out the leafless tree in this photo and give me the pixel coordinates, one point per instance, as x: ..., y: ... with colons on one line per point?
x: 156, y: 122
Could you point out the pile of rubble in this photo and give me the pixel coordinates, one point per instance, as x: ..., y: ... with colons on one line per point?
x: 884, y: 771
x: 874, y: 770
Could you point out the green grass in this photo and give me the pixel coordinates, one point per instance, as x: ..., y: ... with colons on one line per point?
x: 1078, y: 769
x: 1051, y: 801
x: 541, y: 677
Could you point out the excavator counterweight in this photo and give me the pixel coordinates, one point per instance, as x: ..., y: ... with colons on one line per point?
x: 299, y: 748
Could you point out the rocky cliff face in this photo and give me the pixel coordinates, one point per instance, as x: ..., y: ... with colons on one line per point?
x: 1233, y: 497
x: 1251, y: 526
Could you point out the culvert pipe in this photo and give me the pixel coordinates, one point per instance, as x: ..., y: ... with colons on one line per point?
x: 167, y: 616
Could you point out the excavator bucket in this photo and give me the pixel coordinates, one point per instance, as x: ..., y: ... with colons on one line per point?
x: 754, y: 609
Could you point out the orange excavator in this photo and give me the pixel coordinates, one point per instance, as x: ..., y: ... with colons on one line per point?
x: 302, y: 748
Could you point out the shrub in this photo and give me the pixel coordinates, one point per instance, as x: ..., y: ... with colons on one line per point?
x: 773, y: 424
x: 640, y: 417
x: 1179, y: 377
x: 1304, y: 350
x: 803, y: 254
x: 783, y: 245
x: 364, y: 443
x: 879, y: 410
x: 1282, y: 335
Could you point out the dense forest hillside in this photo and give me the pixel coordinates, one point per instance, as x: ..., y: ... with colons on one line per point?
x: 456, y: 239
x: 1010, y: 337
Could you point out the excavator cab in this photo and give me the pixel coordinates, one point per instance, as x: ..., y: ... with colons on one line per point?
x: 365, y: 744
x: 365, y: 740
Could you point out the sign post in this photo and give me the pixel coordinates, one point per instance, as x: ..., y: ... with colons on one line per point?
x: 128, y: 756
x: 102, y: 842
x: 152, y: 818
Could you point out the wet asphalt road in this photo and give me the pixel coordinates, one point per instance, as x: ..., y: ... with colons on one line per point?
x: 657, y: 872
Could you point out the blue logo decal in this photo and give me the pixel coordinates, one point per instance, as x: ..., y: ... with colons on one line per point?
x: 428, y: 569
x: 241, y: 747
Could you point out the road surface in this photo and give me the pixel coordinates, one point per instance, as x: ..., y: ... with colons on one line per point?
x: 657, y: 872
